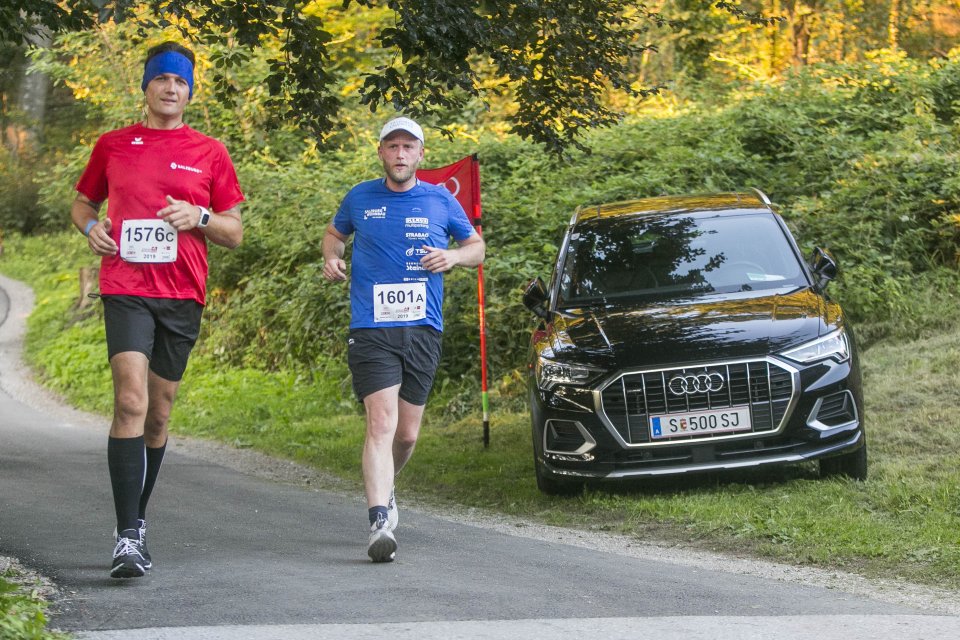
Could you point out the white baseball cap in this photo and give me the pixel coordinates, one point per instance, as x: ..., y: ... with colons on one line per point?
x: 402, y: 124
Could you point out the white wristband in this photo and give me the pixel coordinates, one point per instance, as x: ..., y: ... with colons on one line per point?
x: 204, y: 217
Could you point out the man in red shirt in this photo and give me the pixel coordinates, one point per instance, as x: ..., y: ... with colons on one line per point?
x: 170, y: 190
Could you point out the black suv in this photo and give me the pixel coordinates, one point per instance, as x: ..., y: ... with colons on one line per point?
x: 683, y: 334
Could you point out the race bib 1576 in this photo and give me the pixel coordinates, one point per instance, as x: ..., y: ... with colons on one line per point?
x: 148, y: 241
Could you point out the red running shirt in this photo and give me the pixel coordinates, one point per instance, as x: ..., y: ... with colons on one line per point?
x: 134, y: 169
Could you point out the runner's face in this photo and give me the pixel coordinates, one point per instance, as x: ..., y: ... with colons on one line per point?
x: 401, y: 154
x: 167, y: 96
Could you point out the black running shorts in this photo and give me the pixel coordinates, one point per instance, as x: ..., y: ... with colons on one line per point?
x: 163, y: 329
x: 381, y: 358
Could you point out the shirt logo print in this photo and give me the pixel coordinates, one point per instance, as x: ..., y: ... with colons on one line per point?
x: 137, y: 140
x: 175, y: 166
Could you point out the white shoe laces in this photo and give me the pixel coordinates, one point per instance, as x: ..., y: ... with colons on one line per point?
x: 125, y: 547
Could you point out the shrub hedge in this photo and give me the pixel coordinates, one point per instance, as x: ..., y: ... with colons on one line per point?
x: 863, y: 159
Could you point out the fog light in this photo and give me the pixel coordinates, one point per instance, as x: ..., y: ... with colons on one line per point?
x: 566, y: 437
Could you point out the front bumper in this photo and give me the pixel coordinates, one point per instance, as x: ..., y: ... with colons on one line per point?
x: 798, y: 453
x: 575, y: 441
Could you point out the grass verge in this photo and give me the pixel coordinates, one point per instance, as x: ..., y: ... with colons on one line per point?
x: 904, y: 522
x: 23, y: 608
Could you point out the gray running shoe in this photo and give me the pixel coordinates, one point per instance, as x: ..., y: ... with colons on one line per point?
x: 127, y: 559
x: 393, y: 514
x: 383, y: 545
x: 142, y: 530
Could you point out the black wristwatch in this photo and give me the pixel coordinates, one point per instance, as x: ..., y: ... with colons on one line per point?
x: 204, y: 218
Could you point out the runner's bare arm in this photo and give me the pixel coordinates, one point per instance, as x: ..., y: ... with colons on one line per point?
x: 468, y: 253
x: 84, y: 212
x: 333, y: 247
x: 224, y: 228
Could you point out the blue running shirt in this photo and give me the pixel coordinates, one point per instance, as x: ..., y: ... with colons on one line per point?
x: 390, y: 230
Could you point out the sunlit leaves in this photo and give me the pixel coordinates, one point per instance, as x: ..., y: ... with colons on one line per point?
x: 557, y: 60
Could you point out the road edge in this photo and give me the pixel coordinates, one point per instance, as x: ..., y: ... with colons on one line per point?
x: 17, y: 380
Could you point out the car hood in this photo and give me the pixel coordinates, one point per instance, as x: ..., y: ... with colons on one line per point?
x: 713, y: 328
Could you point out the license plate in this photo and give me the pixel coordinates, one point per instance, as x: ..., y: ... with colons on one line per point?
x: 699, y: 422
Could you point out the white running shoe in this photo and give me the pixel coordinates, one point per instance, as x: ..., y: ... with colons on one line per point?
x: 393, y: 513
x: 383, y: 546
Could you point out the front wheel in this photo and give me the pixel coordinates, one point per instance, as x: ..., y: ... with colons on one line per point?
x: 553, y: 487
x: 852, y: 465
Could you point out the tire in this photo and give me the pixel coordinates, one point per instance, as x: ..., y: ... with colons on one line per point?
x: 852, y: 465
x: 552, y: 487
x: 546, y: 484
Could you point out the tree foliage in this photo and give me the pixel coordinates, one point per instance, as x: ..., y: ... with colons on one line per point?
x: 22, y: 21
x: 558, y: 59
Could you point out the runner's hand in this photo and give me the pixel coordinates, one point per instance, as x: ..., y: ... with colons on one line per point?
x: 99, y: 239
x: 180, y: 214
x: 439, y: 260
x: 335, y: 270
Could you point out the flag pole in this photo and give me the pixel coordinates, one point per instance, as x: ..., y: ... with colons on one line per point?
x: 477, y: 222
x: 454, y: 174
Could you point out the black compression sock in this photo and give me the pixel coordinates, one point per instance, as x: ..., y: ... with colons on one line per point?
x: 126, y: 461
x: 154, y: 461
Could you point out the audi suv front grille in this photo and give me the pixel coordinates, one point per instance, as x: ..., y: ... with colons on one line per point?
x: 765, y: 386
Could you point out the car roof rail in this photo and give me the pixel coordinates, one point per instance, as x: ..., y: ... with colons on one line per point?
x: 763, y: 197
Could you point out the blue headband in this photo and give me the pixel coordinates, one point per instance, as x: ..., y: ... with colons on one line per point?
x: 168, y: 62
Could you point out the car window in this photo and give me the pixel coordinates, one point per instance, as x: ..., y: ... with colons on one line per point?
x: 631, y: 256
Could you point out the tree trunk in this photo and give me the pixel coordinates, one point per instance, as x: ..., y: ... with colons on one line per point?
x: 24, y: 136
x: 893, y: 25
x: 801, y: 40
x: 801, y: 14
x: 774, y: 42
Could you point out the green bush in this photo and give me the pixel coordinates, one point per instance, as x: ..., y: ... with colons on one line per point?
x: 863, y: 159
x: 22, y: 612
x: 19, y: 210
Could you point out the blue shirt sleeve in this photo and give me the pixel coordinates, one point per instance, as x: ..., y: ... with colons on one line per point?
x: 458, y: 224
x: 342, y: 222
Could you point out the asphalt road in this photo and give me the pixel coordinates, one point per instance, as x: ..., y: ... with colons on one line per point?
x: 237, y: 556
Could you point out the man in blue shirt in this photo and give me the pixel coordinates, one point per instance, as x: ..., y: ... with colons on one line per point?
x: 401, y: 229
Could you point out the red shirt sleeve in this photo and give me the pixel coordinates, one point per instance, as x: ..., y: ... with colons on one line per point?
x: 225, y: 191
x: 93, y: 181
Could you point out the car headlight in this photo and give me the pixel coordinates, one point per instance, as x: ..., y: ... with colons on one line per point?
x: 551, y: 373
x: 834, y: 345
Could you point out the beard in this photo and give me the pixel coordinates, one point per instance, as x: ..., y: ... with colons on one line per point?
x: 401, y: 175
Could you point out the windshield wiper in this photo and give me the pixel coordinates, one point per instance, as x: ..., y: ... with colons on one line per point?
x: 599, y: 302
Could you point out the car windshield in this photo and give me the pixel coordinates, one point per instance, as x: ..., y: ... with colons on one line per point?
x: 609, y: 258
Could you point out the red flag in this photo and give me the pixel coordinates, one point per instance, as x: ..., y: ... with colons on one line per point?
x: 462, y: 179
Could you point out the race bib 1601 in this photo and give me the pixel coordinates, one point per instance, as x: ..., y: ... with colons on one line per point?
x: 148, y: 241
x: 399, y: 302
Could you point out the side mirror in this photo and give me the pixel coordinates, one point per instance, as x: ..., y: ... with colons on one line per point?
x: 824, y: 266
x: 535, y: 298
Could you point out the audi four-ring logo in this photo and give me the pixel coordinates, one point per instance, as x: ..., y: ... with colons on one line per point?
x: 698, y: 383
